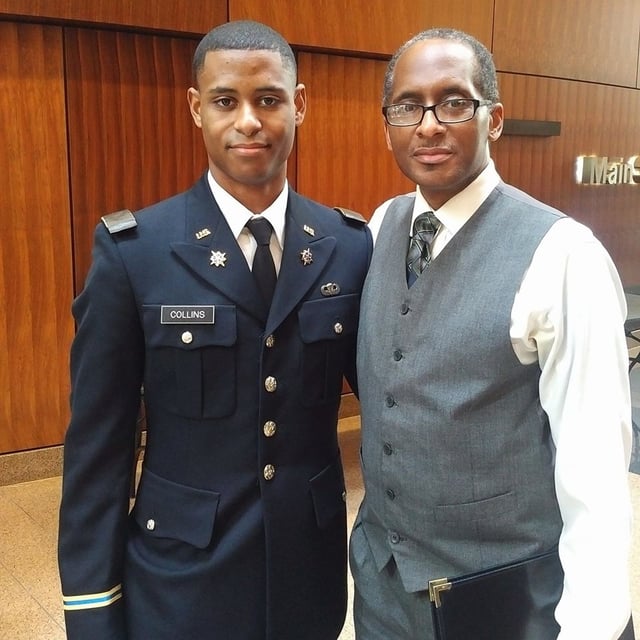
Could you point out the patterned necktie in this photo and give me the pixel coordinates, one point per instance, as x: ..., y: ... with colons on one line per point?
x: 264, y: 271
x: 425, y: 227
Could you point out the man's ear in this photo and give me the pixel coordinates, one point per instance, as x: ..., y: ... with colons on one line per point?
x: 300, y: 102
x: 496, y: 121
x: 193, y: 98
x: 386, y: 134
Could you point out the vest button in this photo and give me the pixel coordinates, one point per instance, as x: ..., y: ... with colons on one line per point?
x: 389, y: 401
x: 270, y: 384
x: 397, y: 355
x: 404, y: 309
x: 387, y: 448
x: 269, y: 428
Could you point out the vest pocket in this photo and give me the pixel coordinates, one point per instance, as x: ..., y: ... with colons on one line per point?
x: 191, y: 368
x: 327, y: 328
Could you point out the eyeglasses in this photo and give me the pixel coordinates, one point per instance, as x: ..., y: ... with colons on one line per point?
x: 447, y: 112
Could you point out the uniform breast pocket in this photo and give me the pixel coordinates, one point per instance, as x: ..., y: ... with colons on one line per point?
x: 191, y: 368
x: 328, y: 328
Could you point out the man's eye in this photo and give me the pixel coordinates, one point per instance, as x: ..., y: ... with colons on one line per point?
x: 405, y: 109
x: 224, y: 103
x: 268, y: 101
x: 458, y: 103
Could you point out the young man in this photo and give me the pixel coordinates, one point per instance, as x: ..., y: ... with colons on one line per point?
x: 238, y: 529
x: 492, y: 367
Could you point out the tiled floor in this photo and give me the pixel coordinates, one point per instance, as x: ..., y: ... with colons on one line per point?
x: 29, y: 585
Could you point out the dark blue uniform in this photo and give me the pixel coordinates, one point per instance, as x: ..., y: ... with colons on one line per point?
x: 238, y: 529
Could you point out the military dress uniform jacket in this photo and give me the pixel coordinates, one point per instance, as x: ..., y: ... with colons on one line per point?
x: 238, y: 529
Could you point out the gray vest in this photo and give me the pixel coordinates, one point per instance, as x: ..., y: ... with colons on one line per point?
x: 457, y: 454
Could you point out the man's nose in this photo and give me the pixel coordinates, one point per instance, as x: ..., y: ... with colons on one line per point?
x: 247, y: 120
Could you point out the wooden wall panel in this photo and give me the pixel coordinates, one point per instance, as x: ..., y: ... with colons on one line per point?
x: 172, y: 15
x: 596, y: 119
x: 342, y: 156
x: 374, y: 27
x: 581, y: 39
x: 35, y: 239
x: 132, y: 140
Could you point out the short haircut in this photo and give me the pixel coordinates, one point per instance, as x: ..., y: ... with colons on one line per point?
x: 243, y: 35
x: 485, y: 77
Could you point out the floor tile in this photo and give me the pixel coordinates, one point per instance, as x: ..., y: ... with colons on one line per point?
x: 21, y: 616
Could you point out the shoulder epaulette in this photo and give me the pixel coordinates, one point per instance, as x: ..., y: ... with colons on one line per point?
x: 350, y: 216
x: 119, y: 221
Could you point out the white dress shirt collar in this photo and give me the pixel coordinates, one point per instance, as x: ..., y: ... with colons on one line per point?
x: 237, y: 215
x: 455, y: 212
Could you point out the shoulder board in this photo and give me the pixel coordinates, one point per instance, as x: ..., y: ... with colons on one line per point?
x: 119, y: 221
x: 350, y: 216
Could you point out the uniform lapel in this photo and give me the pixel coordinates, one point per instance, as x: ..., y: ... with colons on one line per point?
x: 211, y: 251
x: 306, y: 252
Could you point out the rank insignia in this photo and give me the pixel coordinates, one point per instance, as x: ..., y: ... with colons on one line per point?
x: 203, y: 233
x: 309, y: 230
x: 218, y: 259
x: 306, y: 257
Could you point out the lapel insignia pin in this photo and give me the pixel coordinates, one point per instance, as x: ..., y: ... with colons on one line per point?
x: 309, y: 230
x: 203, y: 233
x: 306, y: 257
x: 218, y: 259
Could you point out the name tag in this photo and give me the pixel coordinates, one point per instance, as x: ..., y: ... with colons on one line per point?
x: 187, y: 314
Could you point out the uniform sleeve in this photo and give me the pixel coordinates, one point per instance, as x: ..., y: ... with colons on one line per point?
x: 569, y: 315
x: 106, y: 372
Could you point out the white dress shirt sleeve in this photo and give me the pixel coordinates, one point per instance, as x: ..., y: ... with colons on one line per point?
x: 569, y: 315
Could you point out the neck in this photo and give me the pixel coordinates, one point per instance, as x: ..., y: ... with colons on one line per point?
x: 255, y: 197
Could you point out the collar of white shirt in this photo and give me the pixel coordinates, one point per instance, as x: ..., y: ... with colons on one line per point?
x: 237, y: 215
x: 454, y: 213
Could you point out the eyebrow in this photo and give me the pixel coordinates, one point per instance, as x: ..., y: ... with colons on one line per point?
x: 263, y: 89
x: 417, y: 95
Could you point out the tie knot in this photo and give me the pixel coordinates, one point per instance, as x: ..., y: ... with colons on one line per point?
x: 261, y: 230
x: 426, y: 221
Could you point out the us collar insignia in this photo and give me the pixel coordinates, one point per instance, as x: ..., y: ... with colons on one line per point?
x: 306, y: 257
x: 203, y: 233
x: 218, y: 259
x: 309, y: 230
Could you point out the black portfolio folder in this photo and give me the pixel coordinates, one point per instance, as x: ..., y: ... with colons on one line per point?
x: 510, y: 602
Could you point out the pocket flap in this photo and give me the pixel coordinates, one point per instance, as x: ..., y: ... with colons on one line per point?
x: 329, y: 318
x: 328, y: 494
x: 165, y: 509
x: 222, y: 332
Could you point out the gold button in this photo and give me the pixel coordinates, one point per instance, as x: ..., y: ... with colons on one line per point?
x: 270, y: 341
x: 269, y: 428
x: 270, y: 384
x: 151, y: 524
x: 337, y: 327
x: 187, y: 337
x: 269, y: 472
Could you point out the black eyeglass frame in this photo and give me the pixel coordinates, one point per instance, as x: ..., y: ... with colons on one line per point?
x: 476, y: 105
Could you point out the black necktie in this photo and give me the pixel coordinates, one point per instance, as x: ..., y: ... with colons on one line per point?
x: 425, y: 227
x: 264, y: 271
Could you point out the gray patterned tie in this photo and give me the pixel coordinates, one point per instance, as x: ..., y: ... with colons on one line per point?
x: 425, y: 227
